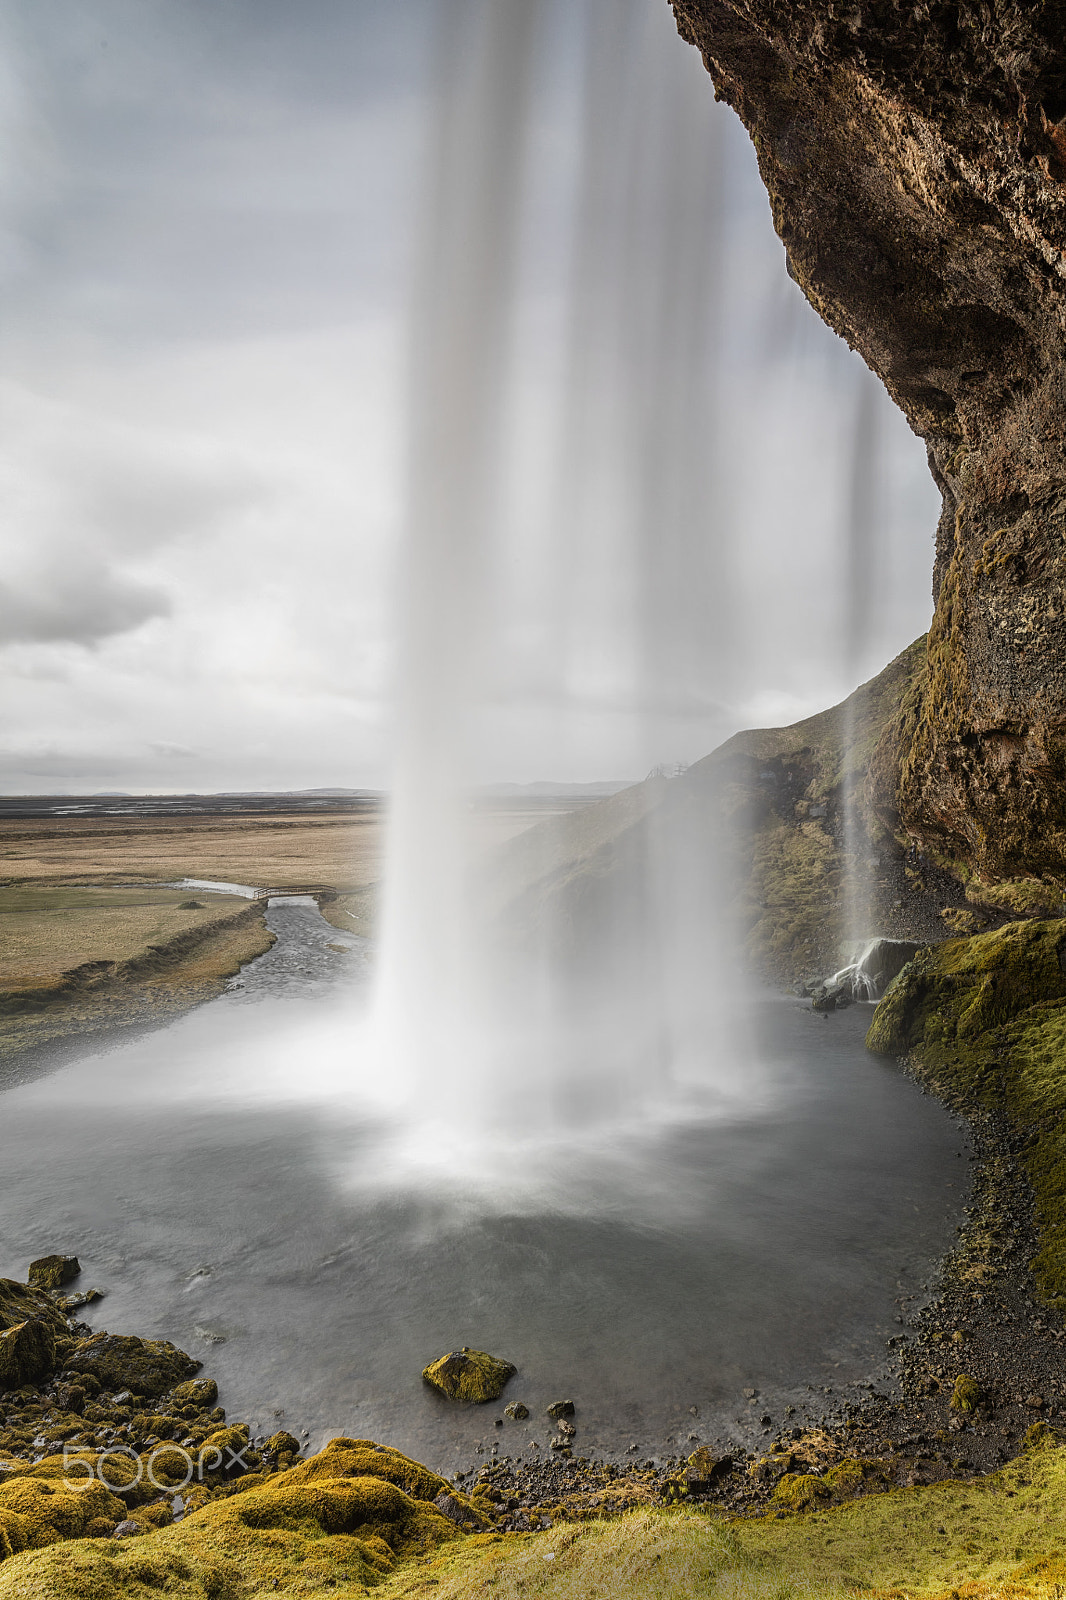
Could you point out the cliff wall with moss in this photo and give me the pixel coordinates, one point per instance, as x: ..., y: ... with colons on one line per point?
x: 914, y: 152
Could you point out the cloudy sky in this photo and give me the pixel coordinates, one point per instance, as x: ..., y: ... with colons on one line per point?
x: 208, y: 212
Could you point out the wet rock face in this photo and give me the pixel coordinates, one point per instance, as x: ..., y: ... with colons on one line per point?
x: 915, y: 158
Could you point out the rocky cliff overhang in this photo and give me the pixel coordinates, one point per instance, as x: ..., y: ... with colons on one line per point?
x: 915, y: 159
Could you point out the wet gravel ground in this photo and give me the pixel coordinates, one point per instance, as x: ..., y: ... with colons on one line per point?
x: 983, y: 1321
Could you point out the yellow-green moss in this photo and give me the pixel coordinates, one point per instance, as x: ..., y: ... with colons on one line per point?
x: 952, y: 993
x: 1020, y: 897
x: 800, y: 1490
x: 344, y: 1518
x: 468, y: 1374
x: 966, y: 1395
x: 333, y: 1526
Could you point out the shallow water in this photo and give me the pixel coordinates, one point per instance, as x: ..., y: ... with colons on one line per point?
x: 218, y: 1189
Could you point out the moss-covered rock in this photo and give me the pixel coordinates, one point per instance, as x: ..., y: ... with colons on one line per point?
x: 703, y: 1468
x: 40, y: 1509
x: 471, y: 1375
x: 984, y: 1021
x: 27, y: 1353
x: 19, y: 1303
x: 955, y: 991
x: 52, y: 1272
x: 323, y: 1524
x: 121, y: 1361
x: 799, y: 1491
x: 199, y: 1392
x: 966, y: 1395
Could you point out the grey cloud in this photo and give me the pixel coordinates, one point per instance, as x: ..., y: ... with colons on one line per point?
x: 177, y: 752
x: 77, y: 608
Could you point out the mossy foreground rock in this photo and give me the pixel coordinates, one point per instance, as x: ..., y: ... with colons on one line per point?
x: 52, y: 1272
x: 121, y: 1361
x: 469, y: 1375
x: 20, y: 1303
x: 27, y: 1353
x: 344, y: 1517
x: 984, y: 1020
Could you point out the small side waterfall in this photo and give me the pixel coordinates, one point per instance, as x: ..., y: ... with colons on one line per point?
x: 867, y: 976
x: 862, y: 529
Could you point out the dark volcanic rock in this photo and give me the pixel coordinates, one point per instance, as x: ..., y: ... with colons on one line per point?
x: 915, y: 158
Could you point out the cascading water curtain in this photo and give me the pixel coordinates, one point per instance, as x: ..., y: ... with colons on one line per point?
x: 428, y: 1008
x: 565, y: 555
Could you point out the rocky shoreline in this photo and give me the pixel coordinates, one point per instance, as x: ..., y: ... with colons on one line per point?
x: 984, y: 1322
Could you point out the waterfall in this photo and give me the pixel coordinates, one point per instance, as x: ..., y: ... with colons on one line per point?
x: 625, y: 580
x: 861, y: 529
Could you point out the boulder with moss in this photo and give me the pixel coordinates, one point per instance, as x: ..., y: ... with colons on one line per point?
x: 52, y: 1272
x: 20, y: 1303
x: 952, y: 993
x: 122, y: 1361
x: 966, y: 1395
x: 471, y: 1375
x: 27, y: 1353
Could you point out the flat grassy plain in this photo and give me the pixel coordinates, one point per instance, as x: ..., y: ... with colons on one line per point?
x: 267, y: 852
x: 47, y: 934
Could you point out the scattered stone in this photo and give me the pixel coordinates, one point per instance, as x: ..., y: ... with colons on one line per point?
x: 561, y: 1408
x: 127, y: 1529
x: 453, y: 1509
x: 516, y: 1411
x: 471, y: 1375
x: 74, y: 1302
